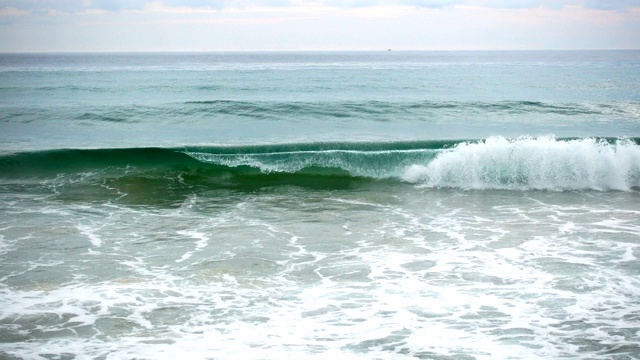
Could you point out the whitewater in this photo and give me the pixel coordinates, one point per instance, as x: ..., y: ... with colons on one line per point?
x: 353, y: 205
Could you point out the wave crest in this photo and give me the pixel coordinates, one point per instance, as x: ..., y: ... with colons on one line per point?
x: 533, y: 163
x: 377, y: 164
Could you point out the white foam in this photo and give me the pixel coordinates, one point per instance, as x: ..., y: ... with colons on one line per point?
x: 533, y: 163
x: 201, y: 243
x: 629, y: 254
x: 338, y: 274
x: 90, y: 232
x: 568, y: 227
x: 4, y: 246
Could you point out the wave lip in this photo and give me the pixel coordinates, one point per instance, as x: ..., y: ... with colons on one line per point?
x: 377, y: 164
x: 527, y: 163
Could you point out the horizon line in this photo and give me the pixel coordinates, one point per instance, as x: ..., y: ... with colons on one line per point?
x: 305, y: 51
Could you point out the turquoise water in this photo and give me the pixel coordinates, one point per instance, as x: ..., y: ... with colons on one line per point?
x: 433, y: 205
x: 167, y: 100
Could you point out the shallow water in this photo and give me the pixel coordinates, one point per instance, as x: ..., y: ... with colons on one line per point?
x: 370, y: 272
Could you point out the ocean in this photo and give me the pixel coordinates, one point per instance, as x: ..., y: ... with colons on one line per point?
x: 344, y: 205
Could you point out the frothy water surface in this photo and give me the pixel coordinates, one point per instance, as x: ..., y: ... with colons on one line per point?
x: 295, y: 272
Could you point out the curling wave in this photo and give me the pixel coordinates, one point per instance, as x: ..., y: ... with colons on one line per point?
x: 525, y: 163
x: 533, y: 163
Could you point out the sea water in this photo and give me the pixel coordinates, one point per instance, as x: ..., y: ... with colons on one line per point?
x: 376, y: 205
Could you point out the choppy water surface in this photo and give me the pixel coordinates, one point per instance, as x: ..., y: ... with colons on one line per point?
x: 371, y: 272
x: 271, y: 206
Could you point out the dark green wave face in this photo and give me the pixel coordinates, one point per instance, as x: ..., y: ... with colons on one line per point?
x: 374, y: 160
x: 494, y: 163
x: 152, y: 175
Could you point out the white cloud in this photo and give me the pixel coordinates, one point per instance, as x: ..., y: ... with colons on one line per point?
x: 10, y: 11
x: 76, y: 6
x: 208, y: 25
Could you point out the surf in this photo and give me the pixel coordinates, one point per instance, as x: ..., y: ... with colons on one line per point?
x: 525, y: 163
x: 542, y: 163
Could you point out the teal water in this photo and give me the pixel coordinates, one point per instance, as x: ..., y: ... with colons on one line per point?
x: 167, y: 100
x: 432, y: 205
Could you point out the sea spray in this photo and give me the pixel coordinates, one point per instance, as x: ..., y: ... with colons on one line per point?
x: 533, y: 163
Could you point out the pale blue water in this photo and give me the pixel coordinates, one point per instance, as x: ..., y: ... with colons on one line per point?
x: 391, y: 205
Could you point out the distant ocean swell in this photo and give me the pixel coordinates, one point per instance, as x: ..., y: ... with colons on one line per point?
x: 526, y: 163
x: 294, y: 110
x: 351, y: 108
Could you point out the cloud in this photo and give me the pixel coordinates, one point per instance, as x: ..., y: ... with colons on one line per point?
x: 610, y: 4
x: 415, y: 3
x: 76, y: 6
x: 620, y: 5
x: 72, y: 6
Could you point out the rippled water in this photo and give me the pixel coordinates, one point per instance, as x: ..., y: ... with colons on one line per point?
x: 370, y: 273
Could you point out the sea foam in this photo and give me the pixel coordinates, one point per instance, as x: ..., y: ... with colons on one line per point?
x: 533, y: 163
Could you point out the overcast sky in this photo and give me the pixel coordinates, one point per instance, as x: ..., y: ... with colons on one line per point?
x: 228, y: 25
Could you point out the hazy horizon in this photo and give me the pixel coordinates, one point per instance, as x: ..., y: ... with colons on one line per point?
x: 308, y: 51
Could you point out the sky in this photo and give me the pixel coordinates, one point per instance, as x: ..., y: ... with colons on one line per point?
x: 292, y: 25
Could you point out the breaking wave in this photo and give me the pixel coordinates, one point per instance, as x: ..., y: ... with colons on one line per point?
x: 526, y: 163
x: 533, y: 163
